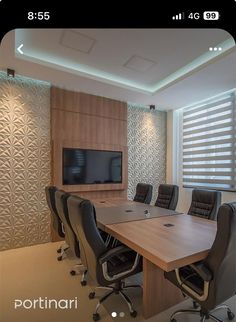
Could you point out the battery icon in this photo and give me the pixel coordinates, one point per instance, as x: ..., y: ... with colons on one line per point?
x: 211, y: 15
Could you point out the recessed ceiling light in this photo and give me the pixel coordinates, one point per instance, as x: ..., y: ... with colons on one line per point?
x: 139, y: 64
x: 77, y: 41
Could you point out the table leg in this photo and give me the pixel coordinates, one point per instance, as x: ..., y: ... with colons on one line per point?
x: 158, y: 293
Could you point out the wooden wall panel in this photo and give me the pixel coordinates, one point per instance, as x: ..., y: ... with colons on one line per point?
x: 88, y: 121
x: 83, y: 103
x: 73, y: 126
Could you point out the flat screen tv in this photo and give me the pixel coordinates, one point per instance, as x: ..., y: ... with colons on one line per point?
x: 83, y: 166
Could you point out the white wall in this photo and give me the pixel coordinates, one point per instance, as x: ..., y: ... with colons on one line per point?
x: 174, y: 156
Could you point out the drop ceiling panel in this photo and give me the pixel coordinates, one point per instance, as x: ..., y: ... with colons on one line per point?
x: 139, y: 64
x: 77, y: 41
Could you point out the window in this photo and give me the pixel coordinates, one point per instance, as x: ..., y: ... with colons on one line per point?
x: 209, y: 144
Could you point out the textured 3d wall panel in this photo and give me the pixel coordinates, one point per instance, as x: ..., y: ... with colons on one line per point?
x: 24, y: 161
x: 146, y: 148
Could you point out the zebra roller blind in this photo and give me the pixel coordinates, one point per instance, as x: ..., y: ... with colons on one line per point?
x: 209, y: 144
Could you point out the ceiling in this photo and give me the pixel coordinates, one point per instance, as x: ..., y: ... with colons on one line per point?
x: 170, y: 68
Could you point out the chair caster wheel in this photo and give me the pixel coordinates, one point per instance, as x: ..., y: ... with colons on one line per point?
x: 83, y: 283
x: 72, y: 272
x: 173, y: 320
x: 230, y: 315
x: 133, y: 314
x: 59, y: 258
x: 96, y: 317
x: 59, y: 251
x: 91, y: 295
x: 195, y: 305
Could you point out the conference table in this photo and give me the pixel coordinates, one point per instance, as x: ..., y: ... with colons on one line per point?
x: 166, y: 239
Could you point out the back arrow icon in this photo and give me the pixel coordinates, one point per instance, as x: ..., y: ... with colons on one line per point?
x: 19, y: 49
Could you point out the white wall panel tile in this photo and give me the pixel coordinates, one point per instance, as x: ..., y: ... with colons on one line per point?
x: 24, y: 161
x: 146, y: 148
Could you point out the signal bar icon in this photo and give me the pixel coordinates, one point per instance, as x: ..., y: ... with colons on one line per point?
x: 179, y: 16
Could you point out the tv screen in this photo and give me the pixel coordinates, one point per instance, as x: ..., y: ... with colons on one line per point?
x: 82, y: 166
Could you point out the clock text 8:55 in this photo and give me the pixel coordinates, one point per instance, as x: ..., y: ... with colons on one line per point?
x: 40, y: 15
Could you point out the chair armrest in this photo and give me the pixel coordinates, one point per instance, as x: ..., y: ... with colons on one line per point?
x: 113, y: 252
x: 202, y: 271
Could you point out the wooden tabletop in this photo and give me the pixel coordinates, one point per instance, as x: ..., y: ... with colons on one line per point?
x: 114, y: 211
x: 169, y: 242
x: 111, y: 202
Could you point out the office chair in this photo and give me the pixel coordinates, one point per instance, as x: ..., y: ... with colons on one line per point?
x: 61, y: 198
x: 105, y: 265
x: 205, y: 203
x: 168, y: 195
x: 143, y: 193
x: 55, y: 219
x: 212, y: 281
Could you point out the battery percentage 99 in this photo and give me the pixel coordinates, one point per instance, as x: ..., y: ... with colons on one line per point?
x: 211, y: 15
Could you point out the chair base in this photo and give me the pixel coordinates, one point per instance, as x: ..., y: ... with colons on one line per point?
x: 62, y: 248
x: 62, y: 251
x: 119, y: 288
x: 205, y: 315
x: 79, y: 269
x: 83, y: 281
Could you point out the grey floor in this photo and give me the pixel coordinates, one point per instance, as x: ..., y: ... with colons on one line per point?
x: 33, y: 272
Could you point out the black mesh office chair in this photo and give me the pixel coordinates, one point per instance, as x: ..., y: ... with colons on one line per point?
x: 55, y: 219
x: 106, y: 266
x: 168, y: 195
x: 61, y: 198
x: 205, y: 203
x: 143, y: 193
x: 213, y: 280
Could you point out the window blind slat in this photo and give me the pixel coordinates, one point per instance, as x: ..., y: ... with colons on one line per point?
x: 208, y: 165
x: 209, y: 128
x: 206, y: 113
x: 208, y: 135
x: 208, y: 186
x: 217, y: 157
x: 209, y: 173
x: 209, y: 150
x: 191, y: 111
x: 223, y: 181
x: 208, y: 121
x: 209, y: 143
